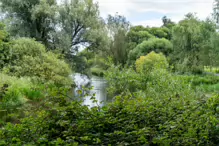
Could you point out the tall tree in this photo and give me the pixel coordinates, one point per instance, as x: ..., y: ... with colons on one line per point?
x: 118, y: 27
x: 30, y: 18
x: 79, y: 26
x: 192, y: 43
x: 66, y: 27
x: 4, y: 46
x: 167, y: 22
x: 216, y: 10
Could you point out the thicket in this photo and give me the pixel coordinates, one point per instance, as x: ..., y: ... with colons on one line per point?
x: 126, y: 121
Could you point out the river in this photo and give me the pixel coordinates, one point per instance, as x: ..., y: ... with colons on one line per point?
x: 99, y: 89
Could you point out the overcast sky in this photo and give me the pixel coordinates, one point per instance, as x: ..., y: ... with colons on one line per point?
x: 150, y: 12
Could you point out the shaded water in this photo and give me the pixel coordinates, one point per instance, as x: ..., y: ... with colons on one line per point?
x: 98, y: 85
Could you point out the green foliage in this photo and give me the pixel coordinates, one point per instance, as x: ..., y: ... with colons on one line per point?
x: 150, y: 106
x: 155, y: 83
x: 137, y: 35
x: 3, y: 32
x: 29, y: 58
x: 97, y: 71
x: 4, y: 46
x: 207, y: 83
x: 80, y: 24
x: 155, y: 44
x: 194, y: 44
x: 118, y: 27
x: 63, y: 27
x: 211, y: 69
x: 30, y: 18
x: 116, y: 23
x: 119, y: 48
x: 211, y: 89
x: 152, y: 60
x: 167, y: 22
x: 162, y: 32
x: 126, y: 121
x: 16, y: 91
x: 98, y: 65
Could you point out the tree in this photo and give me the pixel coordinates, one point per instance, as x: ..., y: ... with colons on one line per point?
x: 167, y: 22
x: 64, y: 28
x: 138, y: 34
x: 159, y: 32
x: 216, y: 10
x: 154, y: 44
x: 119, y: 48
x: 79, y: 26
x: 118, y: 27
x: 191, y: 38
x: 117, y: 22
x: 30, y: 18
x: 4, y: 46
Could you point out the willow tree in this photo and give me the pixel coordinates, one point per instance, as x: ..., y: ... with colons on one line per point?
x: 192, y: 43
x: 118, y: 27
x: 64, y: 27
x: 78, y: 26
x: 29, y: 18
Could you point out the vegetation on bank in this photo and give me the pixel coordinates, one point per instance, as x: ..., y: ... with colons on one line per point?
x: 163, y: 81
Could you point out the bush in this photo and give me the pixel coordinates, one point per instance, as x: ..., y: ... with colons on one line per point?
x: 211, y: 69
x: 154, y: 44
x: 126, y: 121
x: 151, y: 61
x: 16, y: 91
x: 97, y: 71
x: 30, y: 59
x: 196, y: 80
x: 156, y: 83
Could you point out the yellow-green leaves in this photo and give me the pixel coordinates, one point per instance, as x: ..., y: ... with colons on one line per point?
x: 151, y: 61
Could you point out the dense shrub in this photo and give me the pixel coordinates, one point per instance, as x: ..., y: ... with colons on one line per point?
x: 141, y: 121
x: 151, y: 61
x: 30, y: 59
x: 199, y: 80
x: 15, y: 91
x: 156, y: 83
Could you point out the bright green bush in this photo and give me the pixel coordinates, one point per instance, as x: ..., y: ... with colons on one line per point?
x: 151, y: 61
x: 211, y: 69
x: 16, y: 91
x: 30, y: 59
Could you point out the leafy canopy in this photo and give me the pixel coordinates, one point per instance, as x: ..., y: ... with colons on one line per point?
x: 154, y: 44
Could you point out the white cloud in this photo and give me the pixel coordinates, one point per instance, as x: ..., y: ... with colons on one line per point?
x: 174, y: 9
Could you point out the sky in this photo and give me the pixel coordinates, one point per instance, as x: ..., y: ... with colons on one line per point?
x: 150, y: 12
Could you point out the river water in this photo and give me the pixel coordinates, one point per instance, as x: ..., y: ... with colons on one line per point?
x: 98, y: 85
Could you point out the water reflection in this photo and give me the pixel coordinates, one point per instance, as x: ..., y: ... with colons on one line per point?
x: 99, y: 89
